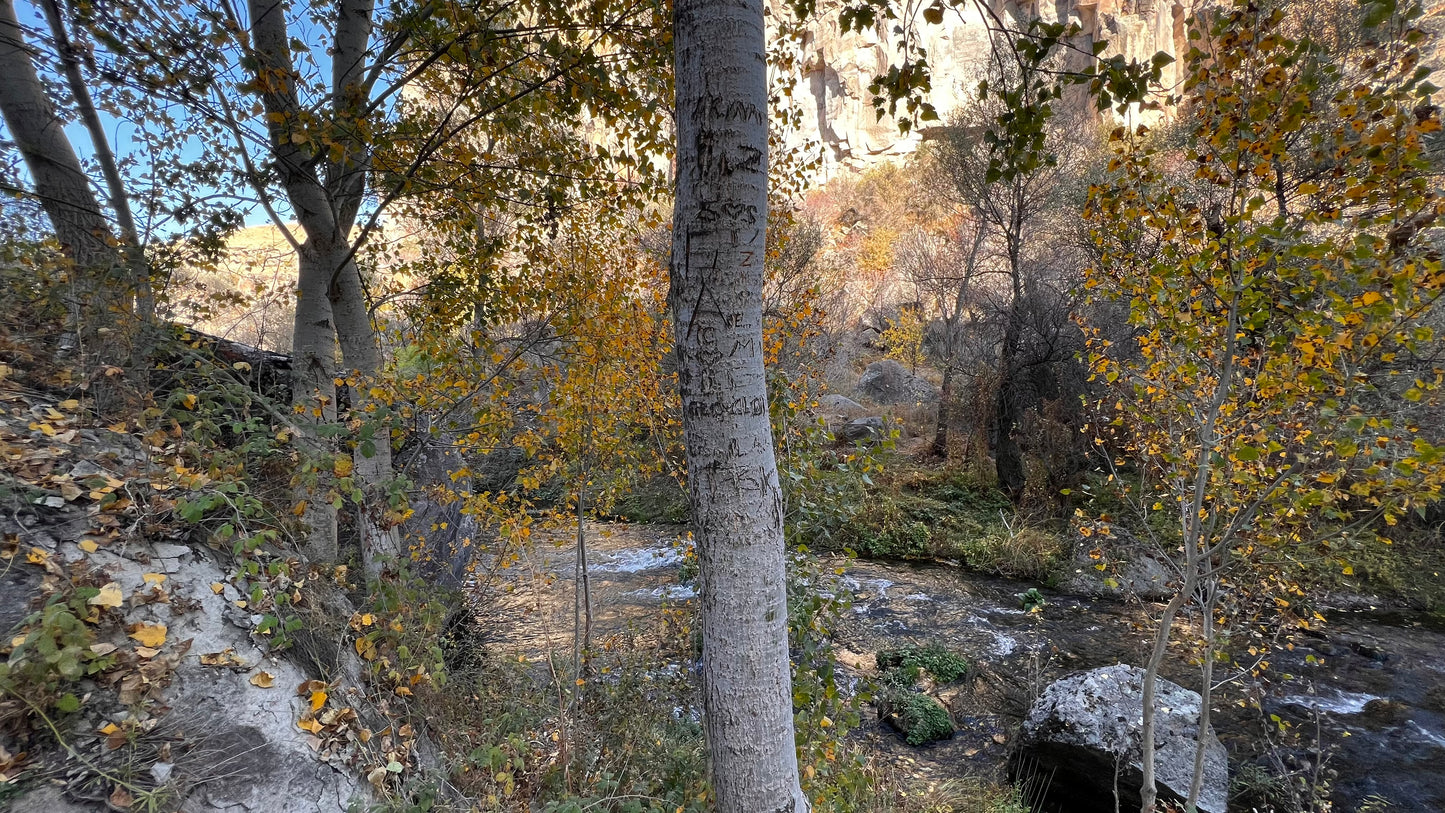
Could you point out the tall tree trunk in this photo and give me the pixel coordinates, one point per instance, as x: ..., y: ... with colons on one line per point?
x: 345, y: 184
x: 719, y: 221
x: 1008, y: 458
x: 326, y: 209
x: 945, y: 412
x: 60, y: 182
x: 314, y: 347
x: 313, y: 391
x: 361, y: 354
x: 1148, y: 787
x: 138, y: 273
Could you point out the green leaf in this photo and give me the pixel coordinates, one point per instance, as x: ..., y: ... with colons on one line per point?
x: 1376, y: 12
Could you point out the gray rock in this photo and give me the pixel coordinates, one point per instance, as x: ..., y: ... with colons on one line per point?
x: 1132, y: 569
x: 86, y: 468
x: 871, y: 430
x: 834, y: 404
x: 1086, y: 727
x: 237, y: 746
x: 19, y: 588
x: 166, y: 550
x: 888, y: 382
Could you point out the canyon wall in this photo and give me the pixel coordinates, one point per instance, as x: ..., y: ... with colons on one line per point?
x: 836, y: 117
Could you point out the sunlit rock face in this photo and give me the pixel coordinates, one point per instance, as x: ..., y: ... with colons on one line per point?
x: 836, y: 119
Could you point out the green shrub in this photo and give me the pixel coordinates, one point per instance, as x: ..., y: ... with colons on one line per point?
x: 656, y: 500
x: 917, y: 716
x: 904, y: 666
x: 944, y: 514
x: 1015, y: 553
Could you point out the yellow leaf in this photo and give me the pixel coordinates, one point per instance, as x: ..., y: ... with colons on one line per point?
x: 226, y: 657
x: 1371, y: 297
x: 299, y: 508
x: 149, y: 635
x: 309, y: 725
x: 217, y: 587
x: 70, y: 404
x: 109, y: 728
x: 318, y: 699
x: 263, y: 679
x: 341, y: 467
x: 153, y: 578
x: 1348, y: 570
x: 109, y: 596
x: 88, y: 545
x: 37, y: 556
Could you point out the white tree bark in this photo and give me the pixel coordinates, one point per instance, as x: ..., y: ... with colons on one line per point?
x: 326, y: 207
x: 719, y: 221
x: 60, y: 182
x: 313, y: 388
x: 138, y: 273
x: 372, y: 465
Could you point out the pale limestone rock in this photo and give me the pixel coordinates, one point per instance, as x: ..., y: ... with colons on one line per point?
x: 836, y: 114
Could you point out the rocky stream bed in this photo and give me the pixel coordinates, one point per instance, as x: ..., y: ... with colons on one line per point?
x: 1366, y: 691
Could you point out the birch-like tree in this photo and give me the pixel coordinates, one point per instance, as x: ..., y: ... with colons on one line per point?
x: 61, y: 185
x: 339, y: 114
x: 719, y: 226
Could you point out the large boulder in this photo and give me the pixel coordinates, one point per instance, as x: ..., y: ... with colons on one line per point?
x: 1131, y: 569
x: 212, y: 712
x: 1084, y: 733
x: 840, y: 406
x: 888, y: 382
x: 871, y: 430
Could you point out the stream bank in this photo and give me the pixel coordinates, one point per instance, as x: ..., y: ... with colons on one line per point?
x: 1363, y: 698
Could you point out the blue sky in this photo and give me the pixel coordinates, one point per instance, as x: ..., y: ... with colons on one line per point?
x: 124, y: 135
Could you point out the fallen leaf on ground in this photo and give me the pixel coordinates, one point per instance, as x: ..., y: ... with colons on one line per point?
x: 150, y: 635
x: 263, y: 679
x: 109, y: 596
x: 226, y: 657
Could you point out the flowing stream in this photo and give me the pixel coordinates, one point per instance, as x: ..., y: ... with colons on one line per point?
x: 1367, y: 691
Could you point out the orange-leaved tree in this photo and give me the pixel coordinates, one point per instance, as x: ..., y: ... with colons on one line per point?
x: 1279, y: 372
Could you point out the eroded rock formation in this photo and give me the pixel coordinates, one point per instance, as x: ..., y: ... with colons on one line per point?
x: 834, y: 68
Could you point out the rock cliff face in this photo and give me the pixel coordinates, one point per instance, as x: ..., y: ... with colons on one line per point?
x: 834, y: 68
